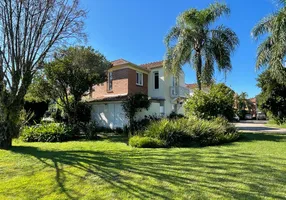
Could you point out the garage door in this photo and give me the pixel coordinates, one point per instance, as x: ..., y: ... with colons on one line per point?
x: 119, y: 117
x: 109, y: 115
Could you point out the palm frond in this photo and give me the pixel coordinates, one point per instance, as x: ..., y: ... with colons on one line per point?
x: 172, y: 35
x: 264, y: 53
x: 227, y: 36
x: 264, y: 26
x: 223, y: 42
x: 190, y: 19
x: 177, y: 56
x: 215, y: 11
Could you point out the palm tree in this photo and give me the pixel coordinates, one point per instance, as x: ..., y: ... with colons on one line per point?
x: 193, y: 40
x: 272, y: 51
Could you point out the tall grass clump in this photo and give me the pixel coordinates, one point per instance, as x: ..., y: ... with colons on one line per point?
x: 189, y: 132
x: 46, y: 132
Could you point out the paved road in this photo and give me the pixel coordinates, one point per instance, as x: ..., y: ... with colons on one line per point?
x: 257, y: 127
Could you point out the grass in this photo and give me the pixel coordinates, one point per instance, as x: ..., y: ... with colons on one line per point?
x: 272, y: 123
x: 252, y: 168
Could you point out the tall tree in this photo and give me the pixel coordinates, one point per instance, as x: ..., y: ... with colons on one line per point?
x: 29, y: 30
x: 193, y: 40
x: 69, y: 76
x: 272, y: 51
x: 272, y: 98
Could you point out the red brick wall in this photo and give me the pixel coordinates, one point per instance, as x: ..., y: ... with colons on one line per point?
x: 133, y: 88
x: 124, y: 82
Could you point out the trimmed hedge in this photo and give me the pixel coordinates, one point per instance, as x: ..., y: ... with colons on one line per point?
x: 187, y: 132
x: 50, y: 132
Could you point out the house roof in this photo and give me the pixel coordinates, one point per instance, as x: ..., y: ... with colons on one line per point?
x: 120, y: 97
x: 109, y: 98
x: 252, y: 100
x: 195, y: 86
x: 153, y: 65
x: 192, y: 86
x: 119, y: 62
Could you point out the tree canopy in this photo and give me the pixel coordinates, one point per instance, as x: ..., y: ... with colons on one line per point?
x: 272, y: 98
x: 272, y: 50
x: 72, y: 73
x: 194, y: 41
x: 218, y: 102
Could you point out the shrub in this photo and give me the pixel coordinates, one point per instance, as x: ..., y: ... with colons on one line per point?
x: 193, y: 131
x: 52, y: 132
x: 141, y: 125
x: 172, y: 132
x: 145, y: 142
x: 218, y: 102
x: 217, y: 131
x: 133, y: 104
x: 174, y: 115
x: 90, y: 130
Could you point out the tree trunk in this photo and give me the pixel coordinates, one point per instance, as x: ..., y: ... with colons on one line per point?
x: 5, y: 137
x: 9, y: 126
x: 199, y: 69
x: 7, y: 131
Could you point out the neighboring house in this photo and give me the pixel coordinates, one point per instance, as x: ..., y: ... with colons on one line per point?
x: 253, y: 105
x: 166, y: 92
x: 192, y: 87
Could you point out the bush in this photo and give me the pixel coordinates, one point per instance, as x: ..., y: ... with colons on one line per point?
x: 133, y: 104
x: 141, y: 125
x: 189, y: 132
x: 218, y: 102
x: 145, y: 142
x: 214, y: 132
x: 90, y: 130
x: 172, y: 132
x: 52, y: 132
x: 174, y: 115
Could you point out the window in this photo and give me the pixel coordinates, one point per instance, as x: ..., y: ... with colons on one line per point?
x: 175, y: 81
x: 109, y: 86
x: 156, y: 80
x: 139, y: 78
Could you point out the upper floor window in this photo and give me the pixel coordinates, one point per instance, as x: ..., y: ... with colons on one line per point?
x: 109, y: 85
x: 156, y: 80
x: 139, y: 78
x: 175, y: 81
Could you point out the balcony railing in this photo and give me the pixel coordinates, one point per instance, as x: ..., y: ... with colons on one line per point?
x: 179, y: 91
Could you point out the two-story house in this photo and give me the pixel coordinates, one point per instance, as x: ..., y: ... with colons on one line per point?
x: 166, y: 92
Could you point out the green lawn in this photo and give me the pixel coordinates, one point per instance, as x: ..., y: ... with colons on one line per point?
x: 252, y: 168
x: 272, y: 123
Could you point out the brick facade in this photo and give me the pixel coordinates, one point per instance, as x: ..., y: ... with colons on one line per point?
x: 132, y: 87
x: 123, y: 83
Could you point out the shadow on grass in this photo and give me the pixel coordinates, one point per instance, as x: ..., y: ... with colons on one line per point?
x: 154, y: 173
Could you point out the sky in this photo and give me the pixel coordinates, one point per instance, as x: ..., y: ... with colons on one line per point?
x: 135, y: 29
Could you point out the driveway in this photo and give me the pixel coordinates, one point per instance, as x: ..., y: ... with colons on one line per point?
x: 257, y: 126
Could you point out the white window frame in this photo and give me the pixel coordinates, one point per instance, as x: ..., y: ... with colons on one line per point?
x: 109, y: 85
x: 139, y: 78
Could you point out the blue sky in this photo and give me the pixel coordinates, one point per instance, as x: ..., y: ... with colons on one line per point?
x: 134, y: 30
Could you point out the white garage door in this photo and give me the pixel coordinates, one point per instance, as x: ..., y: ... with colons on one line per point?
x: 109, y: 115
